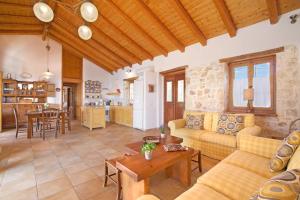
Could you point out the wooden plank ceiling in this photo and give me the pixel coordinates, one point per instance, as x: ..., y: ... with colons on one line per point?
x: 131, y: 31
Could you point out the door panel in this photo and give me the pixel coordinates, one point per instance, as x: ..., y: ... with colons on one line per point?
x: 174, y: 96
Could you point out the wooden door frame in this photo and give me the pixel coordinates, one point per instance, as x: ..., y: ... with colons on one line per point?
x: 165, y: 74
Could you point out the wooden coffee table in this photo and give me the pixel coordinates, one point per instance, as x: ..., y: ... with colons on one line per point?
x: 136, y: 170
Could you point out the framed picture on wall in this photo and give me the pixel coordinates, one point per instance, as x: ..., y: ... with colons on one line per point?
x: 150, y: 87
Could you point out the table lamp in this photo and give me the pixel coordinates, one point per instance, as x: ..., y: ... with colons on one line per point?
x: 249, y: 96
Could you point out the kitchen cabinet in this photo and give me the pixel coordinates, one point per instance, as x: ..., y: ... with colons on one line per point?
x: 121, y: 115
x: 93, y: 117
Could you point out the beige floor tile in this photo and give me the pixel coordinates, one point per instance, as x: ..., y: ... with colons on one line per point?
x: 28, y: 194
x: 75, y: 167
x: 50, y: 188
x: 82, y: 176
x: 90, y: 189
x: 50, y: 175
x: 64, y: 195
x: 16, y: 186
x: 99, y: 170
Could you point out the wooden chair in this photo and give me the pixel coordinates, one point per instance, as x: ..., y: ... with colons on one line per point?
x: 112, y: 163
x: 49, y: 121
x: 21, y: 127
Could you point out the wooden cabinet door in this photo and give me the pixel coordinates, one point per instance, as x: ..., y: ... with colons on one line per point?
x: 174, y: 97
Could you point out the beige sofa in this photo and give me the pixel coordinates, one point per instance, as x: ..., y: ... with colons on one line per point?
x: 241, y: 174
x: 211, y: 143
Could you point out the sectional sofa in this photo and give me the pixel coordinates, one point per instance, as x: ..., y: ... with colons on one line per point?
x: 211, y: 143
x: 240, y: 175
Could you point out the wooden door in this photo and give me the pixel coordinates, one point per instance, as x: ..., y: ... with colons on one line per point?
x: 174, y: 96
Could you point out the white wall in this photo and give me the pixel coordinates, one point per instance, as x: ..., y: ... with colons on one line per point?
x: 27, y: 53
x: 92, y: 72
x: 258, y: 37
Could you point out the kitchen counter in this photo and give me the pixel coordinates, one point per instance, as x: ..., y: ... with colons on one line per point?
x: 122, y: 115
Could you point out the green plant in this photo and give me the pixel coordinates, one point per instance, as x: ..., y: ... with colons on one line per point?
x: 162, y: 129
x: 148, y: 147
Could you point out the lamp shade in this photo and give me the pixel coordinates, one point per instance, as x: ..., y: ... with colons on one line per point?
x: 43, y: 12
x: 89, y: 12
x: 85, y: 32
x: 249, y: 94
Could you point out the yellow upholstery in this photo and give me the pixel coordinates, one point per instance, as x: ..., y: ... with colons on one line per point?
x: 295, y: 160
x: 233, y: 182
x: 207, y: 118
x: 250, y: 162
x: 221, y: 139
x: 215, y: 151
x: 261, y: 146
x: 188, y: 133
x: 201, y: 192
x: 148, y: 197
x: 176, y: 124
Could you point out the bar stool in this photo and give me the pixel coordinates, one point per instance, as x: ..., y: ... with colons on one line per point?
x: 197, y: 154
x: 112, y: 163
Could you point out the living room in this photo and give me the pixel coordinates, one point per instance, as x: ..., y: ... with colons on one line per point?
x: 95, y: 95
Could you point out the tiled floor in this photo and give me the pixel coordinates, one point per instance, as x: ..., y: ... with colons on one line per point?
x: 71, y: 166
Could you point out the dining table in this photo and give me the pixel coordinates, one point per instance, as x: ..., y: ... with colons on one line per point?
x: 31, y: 115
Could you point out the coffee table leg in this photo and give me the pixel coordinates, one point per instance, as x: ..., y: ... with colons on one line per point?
x: 181, y: 171
x: 132, y: 189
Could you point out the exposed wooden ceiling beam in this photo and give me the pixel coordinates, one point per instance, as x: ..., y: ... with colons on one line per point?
x: 149, y: 13
x: 29, y: 27
x: 118, y: 11
x: 142, y: 50
x: 273, y: 11
x: 19, y: 32
x: 77, y: 50
x: 90, y: 51
x: 10, y: 19
x: 93, y: 43
x: 100, y: 36
x: 185, y: 16
x: 226, y: 17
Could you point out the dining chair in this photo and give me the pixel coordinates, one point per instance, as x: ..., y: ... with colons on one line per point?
x: 49, y: 121
x: 21, y: 127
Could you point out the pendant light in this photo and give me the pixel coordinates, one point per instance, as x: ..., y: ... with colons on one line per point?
x: 85, y: 32
x: 88, y: 11
x: 47, y: 74
x: 43, y: 11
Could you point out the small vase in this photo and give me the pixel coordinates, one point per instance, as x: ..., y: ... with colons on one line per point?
x: 162, y: 135
x: 148, y: 155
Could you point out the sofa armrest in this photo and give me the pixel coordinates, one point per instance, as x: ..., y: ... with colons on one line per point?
x: 176, y: 124
x: 248, y: 141
x: 148, y: 197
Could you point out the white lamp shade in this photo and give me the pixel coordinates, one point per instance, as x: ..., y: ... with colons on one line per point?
x: 89, y: 12
x: 85, y: 32
x: 249, y: 94
x: 47, y: 75
x: 43, y: 12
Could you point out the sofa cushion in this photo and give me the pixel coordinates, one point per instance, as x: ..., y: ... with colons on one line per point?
x: 207, y: 118
x: 285, y: 186
x: 250, y: 162
x: 232, y: 181
x: 294, y: 162
x: 188, y: 133
x: 194, y: 121
x: 285, y: 151
x: 249, y: 120
x: 221, y: 139
x: 230, y: 124
x: 200, y: 191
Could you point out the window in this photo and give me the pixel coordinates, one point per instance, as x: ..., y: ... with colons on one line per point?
x: 180, y: 91
x: 169, y: 91
x: 258, y: 74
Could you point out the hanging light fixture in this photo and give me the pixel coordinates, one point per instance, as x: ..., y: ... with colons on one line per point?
x: 85, y: 32
x: 47, y: 74
x: 89, y: 12
x: 43, y: 11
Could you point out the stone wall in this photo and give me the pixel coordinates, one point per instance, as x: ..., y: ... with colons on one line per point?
x: 207, y: 89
